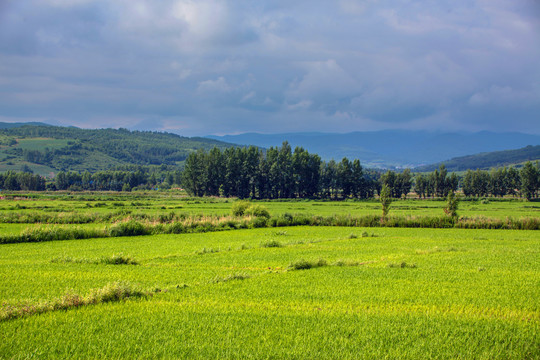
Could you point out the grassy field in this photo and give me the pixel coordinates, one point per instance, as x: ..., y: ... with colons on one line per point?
x: 164, y: 203
x: 272, y: 293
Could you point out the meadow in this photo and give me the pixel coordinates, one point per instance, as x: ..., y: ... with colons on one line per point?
x: 268, y: 293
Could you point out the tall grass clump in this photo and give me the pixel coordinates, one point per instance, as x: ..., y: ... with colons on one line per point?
x: 116, y: 291
x: 129, y: 228
x: 119, y: 259
x: 237, y: 276
x: 52, y: 233
x: 402, y: 265
x: 305, y: 264
x: 271, y: 244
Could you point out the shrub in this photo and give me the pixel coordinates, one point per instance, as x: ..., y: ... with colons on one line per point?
x: 257, y: 210
x: 130, y: 228
x: 258, y: 222
x: 176, y: 228
x: 239, y: 207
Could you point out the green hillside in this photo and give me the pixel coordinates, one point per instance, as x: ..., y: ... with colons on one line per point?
x: 49, y: 149
x: 488, y: 160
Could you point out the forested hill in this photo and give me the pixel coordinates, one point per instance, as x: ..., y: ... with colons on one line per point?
x: 488, y: 160
x: 48, y: 149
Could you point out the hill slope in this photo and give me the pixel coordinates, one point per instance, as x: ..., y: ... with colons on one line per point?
x: 49, y: 149
x: 488, y: 160
x: 391, y: 148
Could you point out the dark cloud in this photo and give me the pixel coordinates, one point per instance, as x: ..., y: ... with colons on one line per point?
x: 214, y: 66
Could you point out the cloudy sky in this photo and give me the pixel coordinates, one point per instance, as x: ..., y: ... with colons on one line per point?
x: 226, y: 67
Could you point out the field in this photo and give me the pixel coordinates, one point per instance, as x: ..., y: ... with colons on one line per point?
x: 268, y: 293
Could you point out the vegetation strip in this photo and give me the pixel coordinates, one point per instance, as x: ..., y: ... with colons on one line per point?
x: 112, y: 292
x: 192, y: 225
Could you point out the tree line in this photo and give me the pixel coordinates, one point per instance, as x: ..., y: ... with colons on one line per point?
x: 280, y: 173
x: 503, y: 181
x: 139, y: 178
x: 277, y: 173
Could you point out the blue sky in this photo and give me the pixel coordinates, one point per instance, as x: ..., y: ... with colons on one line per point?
x: 227, y: 67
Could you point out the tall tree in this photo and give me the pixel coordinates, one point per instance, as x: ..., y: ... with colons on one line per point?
x: 529, y: 180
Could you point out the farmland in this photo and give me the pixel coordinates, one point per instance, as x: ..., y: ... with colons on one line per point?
x: 269, y: 292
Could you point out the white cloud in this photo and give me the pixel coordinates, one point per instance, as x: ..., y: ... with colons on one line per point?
x: 218, y: 85
x: 250, y: 95
x: 301, y: 105
x: 504, y: 96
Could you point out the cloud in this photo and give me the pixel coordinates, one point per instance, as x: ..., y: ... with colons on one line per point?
x: 199, y: 67
x: 210, y: 86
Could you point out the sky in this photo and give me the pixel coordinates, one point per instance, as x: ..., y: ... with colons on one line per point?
x: 227, y: 67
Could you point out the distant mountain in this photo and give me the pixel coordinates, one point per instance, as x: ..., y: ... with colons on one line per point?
x: 391, y: 148
x: 488, y: 160
x: 47, y: 149
x: 5, y: 125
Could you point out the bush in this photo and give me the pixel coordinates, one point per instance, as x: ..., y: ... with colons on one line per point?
x: 130, y: 228
x: 239, y: 207
x: 258, y: 222
x: 257, y: 210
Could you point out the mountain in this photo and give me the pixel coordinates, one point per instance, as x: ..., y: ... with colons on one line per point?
x: 5, y: 125
x: 47, y: 149
x: 390, y: 148
x: 488, y: 160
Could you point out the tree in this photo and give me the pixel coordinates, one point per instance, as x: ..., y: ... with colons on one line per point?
x: 529, y: 180
x: 404, y: 181
x: 452, y: 202
x: 345, y: 177
x: 389, y: 180
x: 194, y: 175
x: 468, y: 184
x: 441, y: 183
x: 358, y: 179
x: 386, y: 200
x: 513, y: 181
x: 420, y: 185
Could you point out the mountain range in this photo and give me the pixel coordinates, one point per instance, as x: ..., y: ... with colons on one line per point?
x: 47, y: 149
x: 390, y: 148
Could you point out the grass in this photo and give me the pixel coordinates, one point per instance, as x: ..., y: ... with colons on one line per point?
x: 325, y: 291
x: 111, y: 292
x: 243, y: 303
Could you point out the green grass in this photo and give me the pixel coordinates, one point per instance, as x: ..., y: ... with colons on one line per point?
x: 470, y: 294
x: 57, y: 207
x: 41, y: 143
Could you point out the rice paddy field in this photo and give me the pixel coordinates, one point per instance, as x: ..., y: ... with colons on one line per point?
x: 268, y: 293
